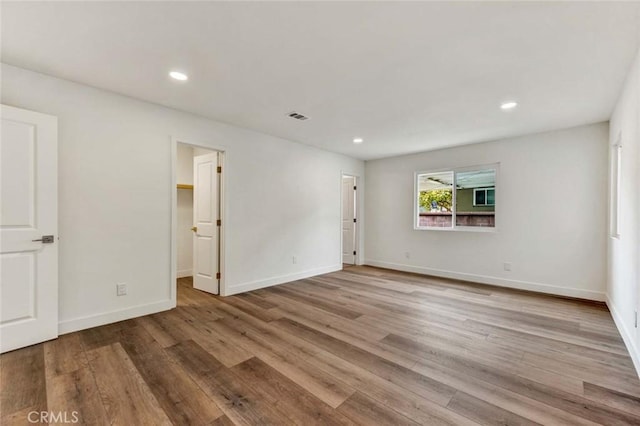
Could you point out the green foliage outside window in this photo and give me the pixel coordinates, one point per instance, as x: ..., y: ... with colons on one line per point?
x: 442, y: 197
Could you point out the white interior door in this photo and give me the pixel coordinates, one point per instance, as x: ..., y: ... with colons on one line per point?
x: 205, y: 217
x: 28, y: 214
x: 348, y: 220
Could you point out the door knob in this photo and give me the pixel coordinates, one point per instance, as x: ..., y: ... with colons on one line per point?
x: 46, y: 239
x: 194, y: 229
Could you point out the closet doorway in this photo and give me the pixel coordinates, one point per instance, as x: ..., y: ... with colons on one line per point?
x: 198, y: 223
x: 349, y: 215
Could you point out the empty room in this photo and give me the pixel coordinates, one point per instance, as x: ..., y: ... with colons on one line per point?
x: 319, y: 212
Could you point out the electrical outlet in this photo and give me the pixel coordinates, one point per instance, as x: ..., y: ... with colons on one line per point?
x: 294, y: 259
x: 507, y: 266
x: 121, y: 289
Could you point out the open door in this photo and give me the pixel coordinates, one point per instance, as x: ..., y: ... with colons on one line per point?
x: 206, y: 239
x: 28, y: 228
x: 349, y: 220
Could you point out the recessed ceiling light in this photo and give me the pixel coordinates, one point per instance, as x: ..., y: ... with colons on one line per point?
x: 509, y: 105
x: 177, y: 75
x: 358, y: 140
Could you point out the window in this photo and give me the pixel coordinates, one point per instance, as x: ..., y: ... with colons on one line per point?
x: 616, y: 158
x: 456, y: 199
x: 484, y: 197
x: 435, y: 200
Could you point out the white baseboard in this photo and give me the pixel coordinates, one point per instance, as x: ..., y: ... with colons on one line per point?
x: 184, y: 273
x: 255, y: 285
x: 501, y: 282
x: 76, y: 324
x: 626, y: 335
x: 90, y: 321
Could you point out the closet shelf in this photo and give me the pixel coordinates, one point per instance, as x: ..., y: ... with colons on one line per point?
x: 184, y: 186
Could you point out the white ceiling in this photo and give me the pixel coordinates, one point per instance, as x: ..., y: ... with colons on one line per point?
x: 406, y: 77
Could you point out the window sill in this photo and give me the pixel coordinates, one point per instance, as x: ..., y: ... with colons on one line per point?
x: 457, y: 229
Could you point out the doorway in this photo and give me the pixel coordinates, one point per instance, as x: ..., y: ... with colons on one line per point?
x: 349, y: 220
x: 197, y: 220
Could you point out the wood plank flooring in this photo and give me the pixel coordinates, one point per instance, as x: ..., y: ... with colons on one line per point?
x: 361, y: 346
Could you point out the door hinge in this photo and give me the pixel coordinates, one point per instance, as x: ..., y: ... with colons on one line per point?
x: 219, y: 222
x: 354, y: 220
x: 355, y: 187
x: 219, y: 169
x: 354, y: 252
x: 217, y: 275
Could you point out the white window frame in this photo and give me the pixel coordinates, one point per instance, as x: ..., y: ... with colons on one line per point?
x: 454, y: 228
x: 485, y: 196
x: 616, y: 186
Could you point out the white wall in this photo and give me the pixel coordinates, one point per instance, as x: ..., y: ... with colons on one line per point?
x: 184, y: 164
x: 184, y: 221
x: 551, y: 214
x: 115, y: 199
x: 623, y: 278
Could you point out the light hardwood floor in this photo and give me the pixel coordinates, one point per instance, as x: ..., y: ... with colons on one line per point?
x: 359, y: 346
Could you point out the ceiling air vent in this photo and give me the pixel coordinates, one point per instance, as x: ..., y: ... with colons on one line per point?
x: 298, y: 116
